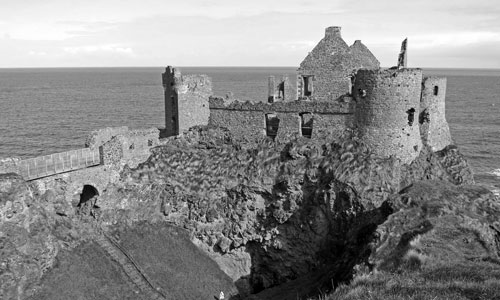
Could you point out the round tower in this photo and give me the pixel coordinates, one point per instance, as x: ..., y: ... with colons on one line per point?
x: 433, y: 126
x: 387, y: 111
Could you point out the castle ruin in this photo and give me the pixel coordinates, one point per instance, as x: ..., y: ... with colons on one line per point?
x: 395, y: 111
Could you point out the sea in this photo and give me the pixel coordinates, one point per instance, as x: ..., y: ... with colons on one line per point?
x: 49, y: 110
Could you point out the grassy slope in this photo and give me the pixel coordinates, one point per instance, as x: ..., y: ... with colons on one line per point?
x: 173, y: 263
x: 454, y: 259
x: 85, y: 273
x: 164, y: 253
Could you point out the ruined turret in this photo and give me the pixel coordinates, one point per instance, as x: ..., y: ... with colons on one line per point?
x: 387, y: 110
x: 186, y: 100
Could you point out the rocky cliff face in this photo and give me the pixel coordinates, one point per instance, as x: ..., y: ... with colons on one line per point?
x: 268, y: 215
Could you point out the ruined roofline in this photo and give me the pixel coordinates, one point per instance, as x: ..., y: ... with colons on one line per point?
x: 334, y: 107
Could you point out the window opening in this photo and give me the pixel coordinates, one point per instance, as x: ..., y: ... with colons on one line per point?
x: 272, y: 125
x: 308, y: 85
x: 411, y: 116
x: 306, y: 124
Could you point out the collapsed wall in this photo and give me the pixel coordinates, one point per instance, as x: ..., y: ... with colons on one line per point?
x: 387, y: 111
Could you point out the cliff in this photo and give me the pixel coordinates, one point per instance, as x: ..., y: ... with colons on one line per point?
x: 280, y: 220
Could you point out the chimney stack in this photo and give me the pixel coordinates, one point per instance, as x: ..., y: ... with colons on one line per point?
x: 333, y: 31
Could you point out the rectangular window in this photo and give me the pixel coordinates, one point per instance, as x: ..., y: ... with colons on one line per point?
x: 308, y: 85
x: 306, y: 124
x: 272, y: 125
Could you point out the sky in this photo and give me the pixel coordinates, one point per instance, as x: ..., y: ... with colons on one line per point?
x: 114, y: 33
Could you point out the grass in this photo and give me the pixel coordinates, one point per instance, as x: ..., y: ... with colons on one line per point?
x: 458, y: 281
x: 174, y: 263
x: 85, y: 273
x: 163, y: 252
x: 451, y: 261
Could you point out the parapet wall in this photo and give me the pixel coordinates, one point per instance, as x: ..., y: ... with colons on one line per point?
x: 387, y: 111
x: 247, y: 120
x: 434, y: 129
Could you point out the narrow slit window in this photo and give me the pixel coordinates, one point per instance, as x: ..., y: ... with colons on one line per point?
x: 411, y: 116
x: 436, y: 90
x: 308, y: 85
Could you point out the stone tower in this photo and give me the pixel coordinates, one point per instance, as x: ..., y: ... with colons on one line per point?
x: 186, y: 100
x: 433, y: 126
x: 387, y: 111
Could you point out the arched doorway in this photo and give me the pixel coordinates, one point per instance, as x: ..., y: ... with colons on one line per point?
x: 88, y: 193
x: 88, y: 200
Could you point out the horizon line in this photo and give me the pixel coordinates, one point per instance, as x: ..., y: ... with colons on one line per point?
x: 214, y: 66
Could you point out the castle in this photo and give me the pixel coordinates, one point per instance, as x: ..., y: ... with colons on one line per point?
x: 395, y: 111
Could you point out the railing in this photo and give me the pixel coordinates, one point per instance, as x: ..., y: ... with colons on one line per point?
x: 56, y: 163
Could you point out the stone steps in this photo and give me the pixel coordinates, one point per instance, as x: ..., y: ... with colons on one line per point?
x: 131, y: 269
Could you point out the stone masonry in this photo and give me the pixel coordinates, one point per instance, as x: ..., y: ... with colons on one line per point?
x: 388, y: 106
x: 247, y: 120
x: 434, y: 129
x: 186, y: 100
x: 326, y: 73
x: 396, y: 112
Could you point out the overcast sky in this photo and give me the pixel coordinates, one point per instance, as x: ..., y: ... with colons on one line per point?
x: 89, y: 33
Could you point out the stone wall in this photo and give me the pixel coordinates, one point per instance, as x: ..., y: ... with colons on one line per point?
x: 121, y: 145
x: 247, y: 120
x: 186, y: 100
x: 282, y: 91
x: 434, y: 129
x: 109, y: 146
x: 98, y: 137
x: 329, y: 66
x: 387, y: 111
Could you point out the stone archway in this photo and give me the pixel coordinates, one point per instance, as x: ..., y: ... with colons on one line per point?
x: 88, y: 200
x: 88, y: 193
